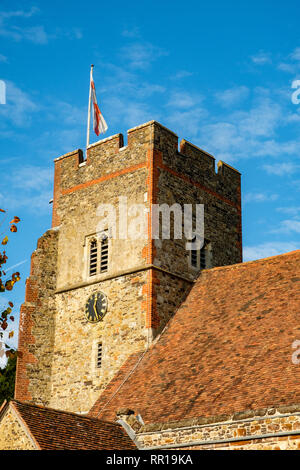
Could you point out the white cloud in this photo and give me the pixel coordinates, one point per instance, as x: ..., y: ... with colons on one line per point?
x: 186, y: 122
x: 261, y: 58
x: 3, y: 58
x: 264, y: 250
x: 292, y: 210
x: 296, y: 54
x: 36, y: 33
x: 181, y: 74
x: 19, y: 106
x: 288, y: 226
x: 131, y: 112
x: 281, y: 169
x: 259, y: 197
x: 75, y: 33
x: 232, y: 96
x: 34, y: 202
x: 285, y: 67
x: 291, y: 63
x: 28, y: 187
x: 249, y: 134
x: 131, y: 33
x: 18, y: 13
x: 293, y: 117
x: 69, y: 114
x: 141, y: 56
x: 184, y: 99
x: 261, y: 120
x: 31, y: 177
x: 223, y: 137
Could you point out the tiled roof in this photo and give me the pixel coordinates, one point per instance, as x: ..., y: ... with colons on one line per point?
x: 60, y: 430
x: 227, y: 349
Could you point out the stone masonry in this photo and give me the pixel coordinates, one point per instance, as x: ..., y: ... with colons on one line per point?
x: 276, y: 428
x: 147, y: 280
x: 13, y: 434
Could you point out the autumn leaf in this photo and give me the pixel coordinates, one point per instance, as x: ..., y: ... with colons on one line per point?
x: 5, y: 240
x: 15, y: 220
x: 9, y: 285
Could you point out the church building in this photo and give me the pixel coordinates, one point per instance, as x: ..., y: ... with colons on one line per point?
x: 138, y: 342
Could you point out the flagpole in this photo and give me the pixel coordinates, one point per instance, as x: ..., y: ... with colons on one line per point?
x: 89, y: 111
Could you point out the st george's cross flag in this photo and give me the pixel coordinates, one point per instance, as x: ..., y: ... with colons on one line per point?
x: 99, y: 123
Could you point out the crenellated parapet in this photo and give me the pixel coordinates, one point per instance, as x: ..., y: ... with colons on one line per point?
x: 110, y: 158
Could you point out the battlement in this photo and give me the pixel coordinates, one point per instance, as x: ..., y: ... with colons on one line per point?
x: 150, y: 133
x: 150, y: 144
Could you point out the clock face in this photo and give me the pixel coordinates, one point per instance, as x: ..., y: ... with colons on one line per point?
x: 96, y: 307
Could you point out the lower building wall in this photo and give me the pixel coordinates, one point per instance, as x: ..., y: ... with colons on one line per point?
x: 12, y: 434
x: 273, y: 443
x: 272, y: 431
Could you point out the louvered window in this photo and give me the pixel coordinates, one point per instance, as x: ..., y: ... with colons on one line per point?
x: 99, y: 355
x: 98, y: 255
x: 104, y: 255
x: 194, y: 258
x: 93, y: 258
x: 201, y: 259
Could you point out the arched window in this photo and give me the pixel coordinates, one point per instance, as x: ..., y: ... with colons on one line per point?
x: 98, y: 254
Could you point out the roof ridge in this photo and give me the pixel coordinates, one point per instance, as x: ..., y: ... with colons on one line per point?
x: 33, y: 405
x: 238, y: 265
x: 3, y: 406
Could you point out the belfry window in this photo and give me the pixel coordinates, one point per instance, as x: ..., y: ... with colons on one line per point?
x: 194, y: 258
x: 98, y: 250
x: 93, y: 258
x: 104, y: 254
x: 201, y: 259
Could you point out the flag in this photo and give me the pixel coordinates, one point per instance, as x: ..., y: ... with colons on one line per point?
x: 99, y: 123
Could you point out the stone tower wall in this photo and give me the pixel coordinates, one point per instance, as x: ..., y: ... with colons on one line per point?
x: 147, y: 279
x: 37, y: 324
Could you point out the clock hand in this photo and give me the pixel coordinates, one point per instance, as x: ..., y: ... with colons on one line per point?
x: 95, y: 307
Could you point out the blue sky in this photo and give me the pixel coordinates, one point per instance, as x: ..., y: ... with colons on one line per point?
x: 218, y: 74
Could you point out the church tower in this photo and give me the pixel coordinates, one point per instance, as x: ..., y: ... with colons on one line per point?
x: 93, y: 298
